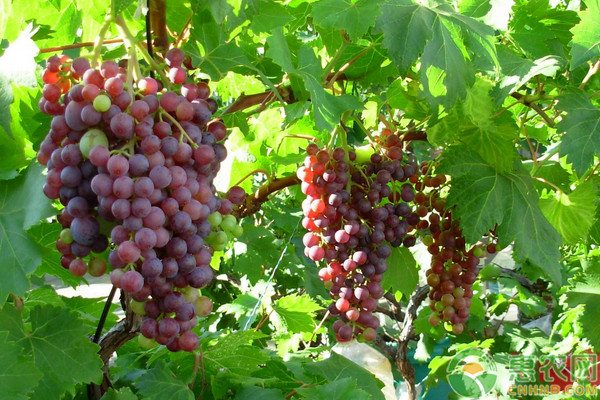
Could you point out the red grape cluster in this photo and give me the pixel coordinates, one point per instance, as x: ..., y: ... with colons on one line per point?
x: 139, y: 161
x: 355, y: 213
x: 453, y: 269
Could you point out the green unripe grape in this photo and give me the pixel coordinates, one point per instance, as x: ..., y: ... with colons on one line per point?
x: 101, y: 103
x: 97, y: 266
x: 439, y: 306
x: 363, y: 153
x: 65, y: 236
x: 237, y: 231
x: 210, y: 239
x: 190, y: 294
x: 229, y: 223
x: 478, y: 252
x: 221, y: 238
x: 219, y: 247
x: 146, y: 343
x: 138, y: 307
x: 428, y: 240
x: 93, y: 137
x: 215, y: 219
x: 204, y: 306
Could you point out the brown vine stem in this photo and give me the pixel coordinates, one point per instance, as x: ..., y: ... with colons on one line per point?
x: 533, y: 153
x: 594, y: 68
x: 537, y: 178
x: 346, y: 65
x: 592, y: 173
x: 536, y: 108
x: 262, y: 171
x: 406, y: 335
x: 183, y: 34
x: 254, y: 202
x: 158, y: 21
x: 79, y: 45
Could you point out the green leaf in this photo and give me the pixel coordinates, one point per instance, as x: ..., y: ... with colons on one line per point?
x: 18, y: 375
x: 484, y: 197
x: 271, y: 15
x: 517, y: 71
x: 120, y: 5
x: 585, y: 44
x: 327, y: 108
x: 402, y: 274
x: 255, y: 392
x: 551, y: 171
x: 45, y: 234
x: 338, y: 367
x: 22, y: 205
x: 540, y: 30
x: 44, y: 340
x: 340, y: 389
x: 474, y: 8
x: 160, y: 383
x: 587, y: 292
x: 17, y: 65
x: 407, y: 28
x: 355, y: 17
x: 296, y: 313
x: 122, y: 394
x: 572, y: 214
x: 440, y: 35
x: 233, y: 353
x: 582, y: 129
x: 241, y: 308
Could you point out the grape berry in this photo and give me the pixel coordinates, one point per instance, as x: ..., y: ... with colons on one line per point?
x: 134, y: 168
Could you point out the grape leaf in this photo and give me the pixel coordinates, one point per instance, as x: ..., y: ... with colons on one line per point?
x: 517, y: 71
x: 339, y: 389
x: 572, y: 213
x: 407, y: 28
x: 439, y: 34
x: 44, y: 340
x: 120, y: 5
x: 22, y: 205
x: 233, y: 353
x: 355, y: 17
x: 271, y: 15
x: 582, y: 129
x: 295, y: 313
x: 255, y: 392
x: 587, y: 292
x: 45, y: 234
x: 18, y: 375
x: 122, y: 394
x: 474, y: 8
x: 585, y: 44
x: 327, y: 108
x: 402, y: 274
x: 336, y: 366
x: 484, y: 197
x: 160, y: 383
x: 539, y: 30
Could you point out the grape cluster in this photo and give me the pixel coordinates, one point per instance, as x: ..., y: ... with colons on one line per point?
x: 355, y: 213
x: 453, y: 269
x: 137, y: 162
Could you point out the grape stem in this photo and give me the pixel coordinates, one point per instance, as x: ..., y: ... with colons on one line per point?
x: 100, y: 40
x: 178, y: 125
x: 549, y: 121
x: 263, y: 171
x: 79, y: 45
